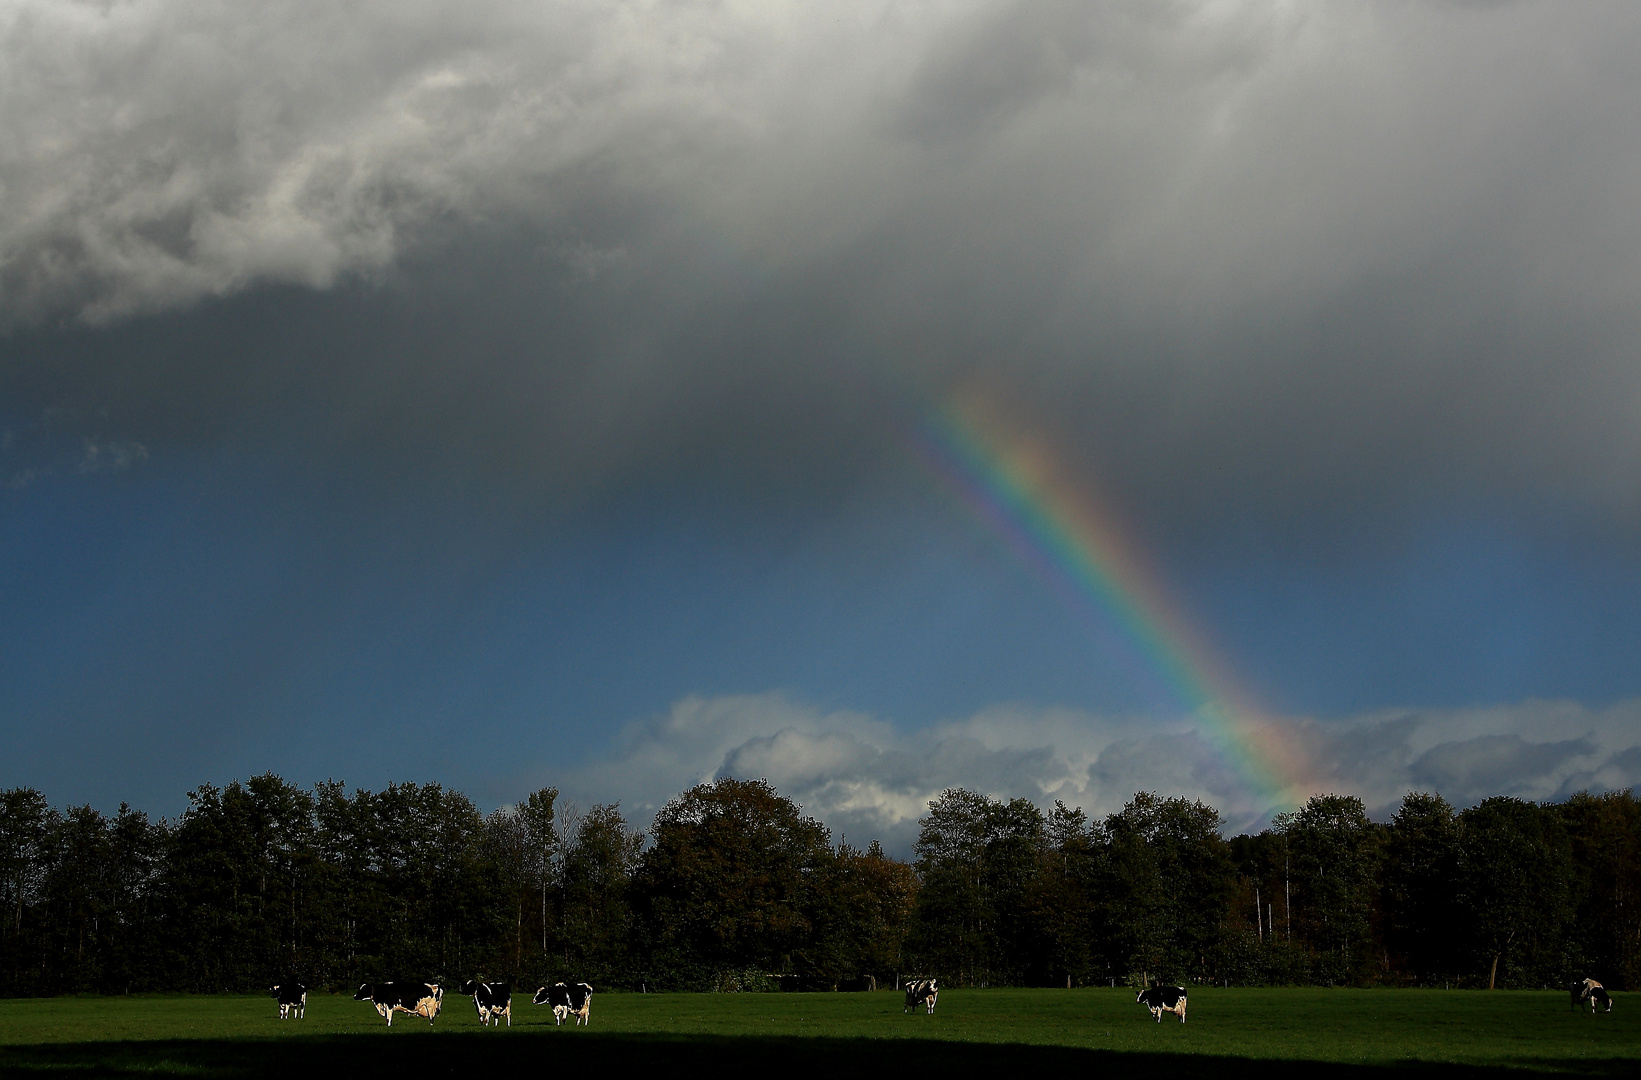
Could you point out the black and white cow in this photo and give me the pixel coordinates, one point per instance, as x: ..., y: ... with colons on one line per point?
x: 1161, y: 999
x: 292, y: 999
x: 567, y: 1001
x: 1583, y: 990
x: 415, y: 998
x: 494, y: 1000
x: 921, y: 992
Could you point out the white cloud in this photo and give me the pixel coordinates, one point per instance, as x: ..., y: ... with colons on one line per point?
x: 657, y: 758
x: 868, y: 780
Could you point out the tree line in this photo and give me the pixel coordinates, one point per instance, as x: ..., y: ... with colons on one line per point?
x: 733, y: 884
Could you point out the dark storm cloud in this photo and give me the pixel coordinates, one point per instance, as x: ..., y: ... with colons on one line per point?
x: 1244, y: 261
x: 1476, y: 768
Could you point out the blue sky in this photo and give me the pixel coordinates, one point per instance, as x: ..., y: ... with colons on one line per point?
x: 510, y: 395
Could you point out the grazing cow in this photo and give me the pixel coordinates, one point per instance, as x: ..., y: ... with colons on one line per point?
x: 567, y: 1001
x: 1161, y: 999
x: 921, y: 992
x: 494, y: 1000
x: 415, y: 998
x: 292, y: 999
x: 1583, y: 990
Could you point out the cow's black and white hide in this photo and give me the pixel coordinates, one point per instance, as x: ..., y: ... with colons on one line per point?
x: 921, y: 992
x: 415, y: 998
x: 292, y: 999
x: 1600, y: 1000
x: 1161, y: 999
x: 567, y: 1001
x: 494, y: 1000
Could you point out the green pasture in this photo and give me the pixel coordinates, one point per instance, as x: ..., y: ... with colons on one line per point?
x: 1281, y: 1032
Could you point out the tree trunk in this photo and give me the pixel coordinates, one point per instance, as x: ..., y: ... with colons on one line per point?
x: 1492, y: 976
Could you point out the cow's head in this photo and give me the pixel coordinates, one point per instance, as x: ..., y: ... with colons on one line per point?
x: 364, y: 993
x: 541, y: 996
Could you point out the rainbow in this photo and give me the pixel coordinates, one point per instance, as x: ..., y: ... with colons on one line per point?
x: 1016, y: 485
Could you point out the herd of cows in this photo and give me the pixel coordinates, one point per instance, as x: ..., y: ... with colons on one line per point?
x: 1159, y: 999
x: 494, y: 1000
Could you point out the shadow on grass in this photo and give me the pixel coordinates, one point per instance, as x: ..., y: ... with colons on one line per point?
x: 452, y: 1053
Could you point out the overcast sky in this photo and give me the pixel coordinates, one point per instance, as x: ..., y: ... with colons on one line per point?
x: 519, y: 393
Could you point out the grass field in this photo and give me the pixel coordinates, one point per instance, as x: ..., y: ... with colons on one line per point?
x: 1278, y: 1032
